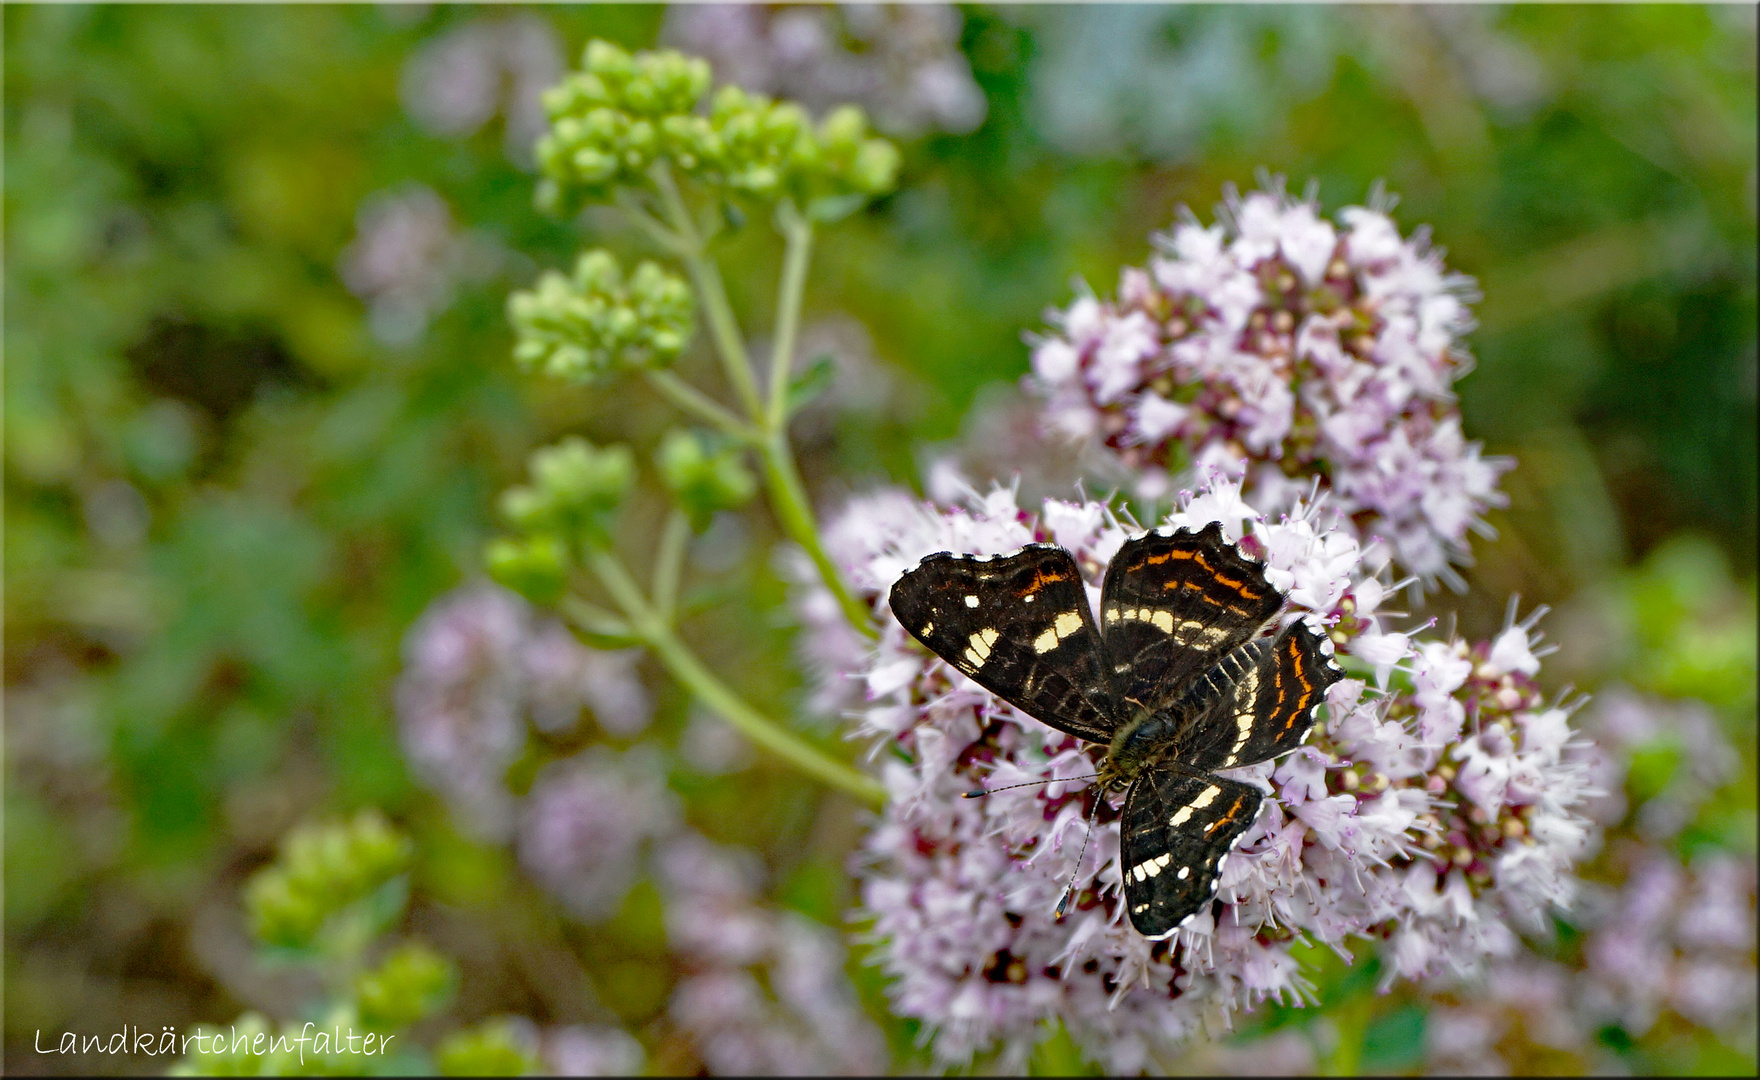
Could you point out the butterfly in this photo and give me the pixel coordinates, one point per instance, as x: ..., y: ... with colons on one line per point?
x: 1176, y: 681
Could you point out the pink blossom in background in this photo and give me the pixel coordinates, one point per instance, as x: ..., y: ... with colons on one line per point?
x: 478, y: 665
x: 900, y: 62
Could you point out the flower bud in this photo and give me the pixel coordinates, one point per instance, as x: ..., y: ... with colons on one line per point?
x: 702, y: 477
x: 413, y: 981
x: 499, y: 1047
x: 322, y: 872
x: 585, y: 326
x: 536, y: 567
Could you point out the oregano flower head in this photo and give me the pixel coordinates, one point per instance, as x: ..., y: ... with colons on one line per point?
x: 1284, y: 348
x: 1397, y: 823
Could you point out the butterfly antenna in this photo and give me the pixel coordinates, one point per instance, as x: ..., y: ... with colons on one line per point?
x: 1069, y: 893
x: 981, y: 792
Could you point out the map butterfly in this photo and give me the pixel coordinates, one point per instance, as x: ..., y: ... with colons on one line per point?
x: 1176, y: 681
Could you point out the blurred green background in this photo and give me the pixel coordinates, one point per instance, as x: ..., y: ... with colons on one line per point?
x: 236, y: 473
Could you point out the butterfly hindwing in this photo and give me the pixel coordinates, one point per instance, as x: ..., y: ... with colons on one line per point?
x: 1018, y: 625
x: 1257, y: 702
x: 1172, y: 605
x: 1178, y: 828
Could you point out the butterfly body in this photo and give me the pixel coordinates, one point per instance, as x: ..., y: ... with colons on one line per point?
x: 1175, y: 680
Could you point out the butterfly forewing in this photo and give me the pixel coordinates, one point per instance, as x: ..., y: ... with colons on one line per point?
x: 1177, y: 829
x: 1257, y: 703
x: 1173, y: 605
x: 1019, y: 626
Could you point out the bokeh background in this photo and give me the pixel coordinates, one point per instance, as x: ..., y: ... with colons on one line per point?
x: 259, y: 401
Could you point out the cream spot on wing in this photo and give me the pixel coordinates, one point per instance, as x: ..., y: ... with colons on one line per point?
x: 1246, y: 693
x: 971, y: 601
x: 928, y: 628
x: 978, y: 647
x: 1185, y: 872
x: 1045, y: 642
x: 1205, y: 798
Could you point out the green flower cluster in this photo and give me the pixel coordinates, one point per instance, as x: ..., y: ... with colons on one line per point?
x: 493, y: 1048
x: 327, y: 871
x: 412, y: 982
x: 622, y: 114
x: 704, y: 476
x: 584, y: 326
x: 575, y: 489
x: 574, y: 493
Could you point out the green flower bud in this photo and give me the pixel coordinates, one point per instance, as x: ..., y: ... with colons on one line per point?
x: 587, y: 325
x: 536, y: 567
x: 607, y: 61
x: 322, y: 872
x: 576, y: 488
x: 494, y: 1048
x: 413, y: 981
x: 876, y: 168
x: 703, y: 477
x: 843, y: 129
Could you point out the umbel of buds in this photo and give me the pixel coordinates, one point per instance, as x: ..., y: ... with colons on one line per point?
x: 585, y: 326
x: 322, y: 873
x: 621, y: 116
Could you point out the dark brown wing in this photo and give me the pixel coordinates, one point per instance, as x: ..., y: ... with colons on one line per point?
x: 1177, y: 831
x: 1258, y: 703
x: 1174, y: 603
x: 1019, y: 625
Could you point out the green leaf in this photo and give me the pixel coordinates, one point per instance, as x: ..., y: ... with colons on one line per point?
x: 810, y: 383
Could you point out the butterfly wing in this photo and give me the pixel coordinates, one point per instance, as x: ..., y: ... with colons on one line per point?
x: 1257, y: 703
x: 1019, y: 626
x: 1172, y: 605
x: 1177, y: 831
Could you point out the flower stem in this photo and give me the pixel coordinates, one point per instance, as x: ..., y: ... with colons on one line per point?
x: 723, y: 327
x: 798, y: 232
x: 788, y: 497
x: 693, y: 401
x: 690, y: 671
x: 669, y: 563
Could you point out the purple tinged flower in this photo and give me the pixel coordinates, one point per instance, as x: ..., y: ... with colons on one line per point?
x: 408, y: 259
x: 1376, y: 826
x: 901, y: 62
x: 586, y: 822
x: 580, y: 1050
x: 465, y: 77
x: 477, y: 665
x: 808, y: 1022
x: 1290, y: 348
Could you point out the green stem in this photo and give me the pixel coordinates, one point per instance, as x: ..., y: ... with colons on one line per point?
x: 714, y: 693
x: 798, y: 232
x: 669, y: 564
x: 788, y: 497
x: 649, y: 224
x: 723, y: 327
x: 691, y: 400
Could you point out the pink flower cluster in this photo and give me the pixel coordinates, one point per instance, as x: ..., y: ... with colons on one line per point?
x: 1285, y: 348
x: 808, y: 1022
x: 1670, y: 937
x: 1433, y: 810
x: 478, y: 665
